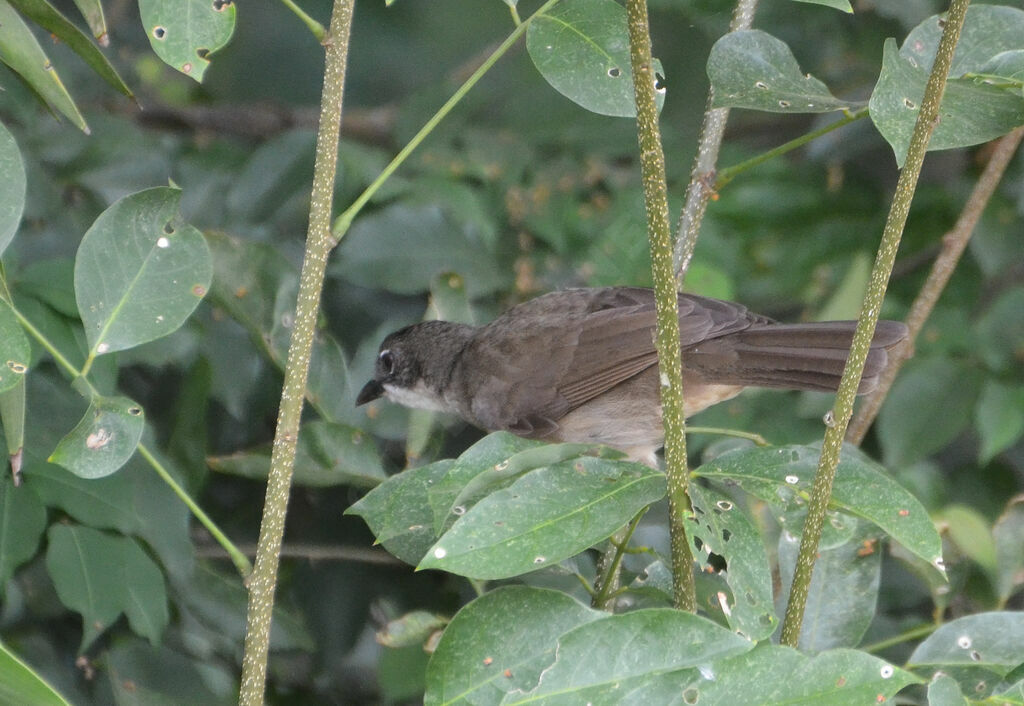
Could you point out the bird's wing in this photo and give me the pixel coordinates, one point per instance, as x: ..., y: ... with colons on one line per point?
x: 548, y: 356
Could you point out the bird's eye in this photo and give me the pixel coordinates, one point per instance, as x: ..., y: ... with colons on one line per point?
x: 387, y: 361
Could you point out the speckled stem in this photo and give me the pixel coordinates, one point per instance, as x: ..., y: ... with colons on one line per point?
x: 839, y: 417
x: 263, y: 580
x: 953, y: 245
x: 659, y: 230
x: 702, y: 176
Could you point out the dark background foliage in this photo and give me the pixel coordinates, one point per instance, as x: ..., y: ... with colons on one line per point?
x: 518, y: 193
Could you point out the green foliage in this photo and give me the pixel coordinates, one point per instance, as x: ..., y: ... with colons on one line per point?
x: 155, y: 264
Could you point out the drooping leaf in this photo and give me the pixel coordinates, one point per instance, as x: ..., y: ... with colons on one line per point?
x: 999, y: 418
x: 22, y: 53
x: 581, y: 47
x: 972, y: 111
x: 92, y: 11
x: 140, y: 271
x: 22, y: 523
x: 753, y: 69
x: 12, y: 187
x: 1008, y: 532
x: 103, y: 440
x: 944, y: 691
x: 186, y: 32
x: 102, y: 576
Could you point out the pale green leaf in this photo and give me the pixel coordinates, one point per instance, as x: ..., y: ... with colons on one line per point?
x: 185, y: 32
x: 22, y: 523
x: 12, y: 187
x: 21, y: 684
x: 15, y: 351
x: 103, y: 440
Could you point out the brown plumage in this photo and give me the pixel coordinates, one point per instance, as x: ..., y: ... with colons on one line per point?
x: 580, y: 364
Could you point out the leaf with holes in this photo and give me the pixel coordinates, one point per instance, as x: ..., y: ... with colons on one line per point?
x: 140, y: 271
x: 103, y: 440
x: 752, y: 69
x: 184, y: 33
x: 581, y: 47
x: 15, y: 351
x: 722, y: 528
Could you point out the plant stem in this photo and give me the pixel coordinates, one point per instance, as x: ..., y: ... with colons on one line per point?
x: 263, y: 580
x: 905, y: 636
x: 736, y: 433
x: 606, y: 583
x: 652, y: 166
x: 315, y: 27
x: 953, y: 245
x: 821, y: 492
x: 342, y: 222
x: 711, y: 132
x: 729, y: 173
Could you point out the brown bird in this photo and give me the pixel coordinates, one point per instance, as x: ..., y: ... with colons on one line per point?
x: 580, y: 365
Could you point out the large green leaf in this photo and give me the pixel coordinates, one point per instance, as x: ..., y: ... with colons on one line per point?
x: 999, y: 418
x: 104, y: 439
x: 22, y: 53
x: 140, y: 271
x: 753, y: 69
x: 12, y: 187
x: 185, y: 32
x: 102, y: 576
x: 605, y: 660
x: 722, y: 528
x: 972, y: 111
x: 1008, y: 533
x: 15, y: 351
x: 581, y: 47
x: 22, y: 523
x: 499, y: 643
x: 862, y: 488
x: 547, y: 515
x: 20, y: 684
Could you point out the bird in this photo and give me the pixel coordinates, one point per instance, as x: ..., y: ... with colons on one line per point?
x: 580, y: 365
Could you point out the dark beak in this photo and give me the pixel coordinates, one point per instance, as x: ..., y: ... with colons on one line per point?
x: 371, y: 391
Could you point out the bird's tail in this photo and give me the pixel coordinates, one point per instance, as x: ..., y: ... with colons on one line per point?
x: 807, y: 356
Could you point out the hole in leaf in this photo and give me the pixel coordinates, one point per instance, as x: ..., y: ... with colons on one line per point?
x: 691, y: 696
x: 726, y: 535
x: 135, y: 411
x: 614, y: 72
x: 909, y: 103
x: 221, y: 5
x: 159, y: 32
x: 784, y: 104
x: 202, y: 53
x: 762, y: 85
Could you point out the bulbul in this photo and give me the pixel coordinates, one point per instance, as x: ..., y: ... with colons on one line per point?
x: 579, y: 365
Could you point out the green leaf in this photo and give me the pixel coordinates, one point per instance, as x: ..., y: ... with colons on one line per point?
x: 92, y: 11
x: 752, y: 69
x: 944, y: 691
x: 581, y: 47
x: 140, y: 271
x: 101, y: 576
x: 929, y: 406
x: 328, y: 454
x: 22, y: 53
x: 1008, y: 533
x: 22, y: 523
x: 103, y: 440
x: 545, y: 516
x: 977, y: 650
x: 601, y: 660
x: 15, y: 351
x: 722, y: 528
x: 20, y: 684
x: 412, y: 629
x: 999, y: 417
x: 145, y: 675
x: 844, y: 588
x: 772, y: 675
x: 12, y: 187
x: 784, y: 475
x: 972, y: 111
x: 499, y: 644
x: 969, y: 530
x: 402, y: 248
x: 49, y: 18
x: 12, y: 418
x: 1001, y: 330
x: 843, y: 5
x: 184, y: 33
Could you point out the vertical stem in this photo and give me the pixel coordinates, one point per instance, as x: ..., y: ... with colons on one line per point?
x: 953, y: 245
x: 821, y: 492
x: 702, y: 176
x: 652, y: 165
x: 263, y: 580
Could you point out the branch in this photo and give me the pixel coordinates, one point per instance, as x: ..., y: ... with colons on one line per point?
x: 953, y: 245
x: 319, y: 242
x: 652, y: 165
x: 841, y: 412
x: 702, y: 175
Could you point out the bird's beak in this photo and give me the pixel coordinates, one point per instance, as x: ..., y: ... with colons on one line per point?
x: 371, y: 391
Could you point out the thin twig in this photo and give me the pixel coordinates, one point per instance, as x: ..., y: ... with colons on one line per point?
x: 953, y: 245
x: 839, y: 418
x: 702, y: 176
